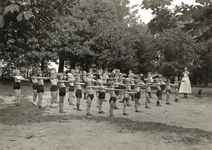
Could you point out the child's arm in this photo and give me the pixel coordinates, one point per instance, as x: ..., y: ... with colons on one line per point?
x: 79, y: 83
x: 61, y: 81
x: 71, y: 80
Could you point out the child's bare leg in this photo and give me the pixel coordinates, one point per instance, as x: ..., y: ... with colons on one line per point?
x: 40, y: 95
x: 121, y: 96
x: 97, y: 101
x: 78, y: 104
x: 19, y: 96
x: 85, y: 94
x: 100, y: 106
x: 129, y: 100
x: 61, y: 104
x: 176, y: 95
x: 56, y: 99
x: 35, y: 94
x: 115, y: 106
x: 111, y: 108
x: 158, y: 102
x: 89, y: 102
x: 136, y: 105
x: 147, y: 101
x: 167, y: 98
x: 16, y: 96
x: 70, y: 97
x: 124, y: 107
x: 150, y: 94
x: 53, y: 99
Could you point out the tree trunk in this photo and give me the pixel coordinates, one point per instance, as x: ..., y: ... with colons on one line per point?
x: 87, y: 65
x: 61, y: 65
x: 27, y: 72
x: 194, y: 81
x: 206, y: 79
x: 42, y: 64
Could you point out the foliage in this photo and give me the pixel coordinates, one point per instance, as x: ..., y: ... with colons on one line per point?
x: 171, y: 51
x: 194, y: 19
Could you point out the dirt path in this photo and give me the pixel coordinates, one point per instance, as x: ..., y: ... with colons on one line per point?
x: 184, y: 125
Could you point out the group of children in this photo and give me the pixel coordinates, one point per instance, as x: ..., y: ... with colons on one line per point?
x: 122, y: 87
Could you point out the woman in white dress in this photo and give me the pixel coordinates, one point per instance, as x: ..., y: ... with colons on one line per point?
x: 185, y: 86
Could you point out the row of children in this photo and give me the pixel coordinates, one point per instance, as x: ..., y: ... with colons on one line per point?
x: 115, y: 83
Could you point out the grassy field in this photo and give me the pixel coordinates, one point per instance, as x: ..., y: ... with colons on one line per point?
x: 27, y: 115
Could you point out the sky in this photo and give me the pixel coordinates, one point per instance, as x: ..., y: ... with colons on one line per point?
x: 146, y: 14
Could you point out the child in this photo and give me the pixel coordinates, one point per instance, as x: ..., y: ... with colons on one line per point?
x: 150, y: 79
x: 101, y: 96
x: 71, y: 80
x: 40, y: 89
x: 159, y: 91
x: 54, y: 88
x: 168, y: 91
x: 137, y: 94
x: 34, y: 87
x: 126, y: 96
x: 17, y: 86
x: 78, y: 93
x: 116, y: 86
x: 163, y: 86
x: 176, y: 82
x: 62, y: 92
x: 130, y: 87
x: 90, y: 95
x: 112, y: 97
x: 121, y: 86
x: 147, y: 93
x: 84, y: 76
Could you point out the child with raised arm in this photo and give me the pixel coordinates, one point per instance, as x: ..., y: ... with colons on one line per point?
x: 116, y: 86
x: 78, y: 93
x: 127, y: 91
x: 40, y: 89
x: 62, y: 91
x: 176, y: 83
x: 147, y: 93
x: 101, y: 95
x: 53, y: 88
x: 34, y: 87
x: 159, y: 91
x: 84, y: 76
x: 112, y: 99
x: 121, y: 86
x: 71, y: 80
x: 168, y: 91
x: 17, y: 86
x: 90, y: 96
x: 137, y: 94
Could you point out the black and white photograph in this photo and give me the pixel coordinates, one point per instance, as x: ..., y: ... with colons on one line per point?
x: 105, y: 74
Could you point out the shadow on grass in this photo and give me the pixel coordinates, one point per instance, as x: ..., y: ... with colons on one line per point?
x: 28, y: 114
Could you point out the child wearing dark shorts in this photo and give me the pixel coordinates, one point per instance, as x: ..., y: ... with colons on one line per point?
x: 71, y: 89
x: 78, y: 93
x: 159, y: 91
x: 17, y: 86
x: 40, y: 89
x: 112, y: 99
x: 62, y: 91
x: 54, y: 88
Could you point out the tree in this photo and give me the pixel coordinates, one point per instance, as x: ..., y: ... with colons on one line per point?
x: 194, y: 19
x: 171, y: 51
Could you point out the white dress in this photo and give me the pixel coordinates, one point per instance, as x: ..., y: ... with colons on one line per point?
x: 185, y: 87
